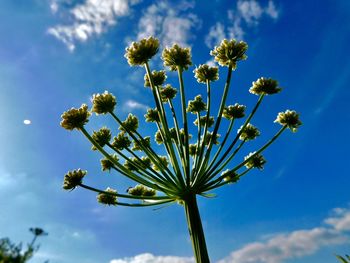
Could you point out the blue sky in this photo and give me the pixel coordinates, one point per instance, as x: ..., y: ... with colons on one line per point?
x: 55, y: 54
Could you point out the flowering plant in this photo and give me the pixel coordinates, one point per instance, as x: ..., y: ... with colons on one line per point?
x: 194, y: 164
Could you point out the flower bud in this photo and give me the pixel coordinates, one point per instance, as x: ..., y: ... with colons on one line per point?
x: 102, y: 137
x: 72, y: 179
x: 257, y: 161
x: 75, y: 118
x: 138, y: 53
x: 103, y: 103
x: 249, y: 133
x: 230, y: 176
x: 158, y: 137
x: 152, y: 115
x: 232, y: 112
x: 289, y: 118
x: 197, y: 105
x: 146, y: 142
x: 203, y: 121
x: 108, y: 199
x: 158, y: 78
x: 130, y: 124
x: 192, y: 149
x: 167, y: 93
x: 205, y: 73
x: 210, y: 137
x: 106, y: 164
x: 264, y: 86
x: 141, y: 190
x: 229, y: 52
x: 163, y: 160
x: 176, y: 56
x: 121, y: 141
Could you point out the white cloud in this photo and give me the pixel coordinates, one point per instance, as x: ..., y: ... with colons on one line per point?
x: 247, y: 13
x: 149, y: 258
x: 134, y: 105
x: 250, y: 10
x: 341, y: 220
x: 286, y: 246
x: 216, y: 34
x: 271, y: 10
x: 90, y: 18
x: 27, y: 122
x: 169, y: 22
x: 275, y: 248
x: 298, y: 243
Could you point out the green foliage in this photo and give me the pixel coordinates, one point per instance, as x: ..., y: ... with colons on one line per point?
x: 345, y: 259
x: 13, y: 253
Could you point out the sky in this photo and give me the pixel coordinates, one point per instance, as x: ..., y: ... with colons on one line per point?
x: 54, y: 54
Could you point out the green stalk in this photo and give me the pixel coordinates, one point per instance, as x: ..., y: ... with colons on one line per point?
x: 219, y: 179
x: 202, y: 147
x: 236, y: 139
x: 157, y: 179
x: 197, y: 148
x: 219, y: 184
x: 120, y: 167
x: 222, y: 144
x: 125, y: 196
x: 162, y: 115
x: 149, y: 151
x: 179, y: 147
x: 218, y: 120
x: 195, y: 229
x: 185, y: 124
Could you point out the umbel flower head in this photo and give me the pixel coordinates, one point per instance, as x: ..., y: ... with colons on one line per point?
x: 158, y: 78
x: 138, y: 53
x: 103, y: 103
x: 164, y: 161
x: 289, y: 118
x: 229, y: 52
x: 233, y: 112
x: 177, y: 56
x: 206, y: 73
x: 168, y: 93
x: 108, y: 198
x: 130, y: 124
x: 152, y: 115
x: 73, y: 178
x: 210, y: 137
x: 75, y: 118
x: 192, y: 149
x: 141, y: 190
x: 264, y: 86
x: 107, y: 165
x: 197, y: 105
x: 250, y: 132
x: 203, y: 121
x: 146, y: 142
x: 102, y: 137
x: 230, y: 176
x: 121, y: 141
x: 257, y: 161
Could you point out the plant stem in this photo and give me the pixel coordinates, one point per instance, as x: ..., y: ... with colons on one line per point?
x: 195, y: 229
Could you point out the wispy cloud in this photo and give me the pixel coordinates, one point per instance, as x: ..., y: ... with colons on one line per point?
x: 246, y: 14
x: 170, y: 22
x: 149, y: 258
x: 130, y: 105
x: 89, y: 19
